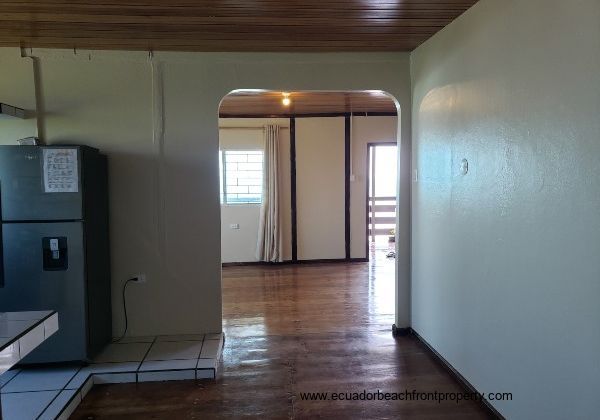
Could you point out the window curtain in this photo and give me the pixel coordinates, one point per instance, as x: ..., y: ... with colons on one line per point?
x: 269, y: 233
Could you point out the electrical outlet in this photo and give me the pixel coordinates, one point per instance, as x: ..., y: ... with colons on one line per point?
x: 234, y: 226
x: 139, y: 278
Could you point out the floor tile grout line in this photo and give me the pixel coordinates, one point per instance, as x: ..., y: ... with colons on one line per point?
x: 15, y: 375
x: 114, y: 363
x: 144, y: 358
x: 59, y: 391
x: 109, y: 372
x: 90, y: 377
x: 77, y: 391
x: 167, y: 370
x: 179, y: 358
x: 201, y: 347
x: 75, y: 394
x: 200, y: 354
x: 36, y: 390
x: 63, y: 407
x: 30, y: 392
x: 48, y: 405
x: 151, y: 343
x: 168, y: 360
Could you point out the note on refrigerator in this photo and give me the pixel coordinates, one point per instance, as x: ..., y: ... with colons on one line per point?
x: 60, y: 170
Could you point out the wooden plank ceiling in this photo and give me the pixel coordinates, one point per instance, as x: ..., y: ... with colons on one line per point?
x: 256, y: 103
x: 226, y: 25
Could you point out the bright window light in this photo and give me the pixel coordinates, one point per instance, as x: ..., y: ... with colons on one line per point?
x: 241, y: 176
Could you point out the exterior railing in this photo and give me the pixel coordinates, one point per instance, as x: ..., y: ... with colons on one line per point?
x: 378, y: 205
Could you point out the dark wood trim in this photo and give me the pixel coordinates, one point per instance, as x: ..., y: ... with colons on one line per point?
x: 347, y: 154
x: 313, y: 115
x: 374, y: 114
x: 330, y: 114
x: 225, y: 116
x: 456, y: 374
x: 383, y: 143
x: 250, y: 263
x: 367, y: 183
x: 333, y: 260
x: 289, y: 262
x: 293, y: 199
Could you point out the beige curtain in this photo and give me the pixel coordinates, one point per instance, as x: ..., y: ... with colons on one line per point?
x: 269, y: 233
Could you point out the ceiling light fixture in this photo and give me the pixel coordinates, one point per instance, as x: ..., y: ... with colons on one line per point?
x: 286, y: 101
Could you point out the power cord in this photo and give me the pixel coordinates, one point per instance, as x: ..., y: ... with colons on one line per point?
x: 125, y: 310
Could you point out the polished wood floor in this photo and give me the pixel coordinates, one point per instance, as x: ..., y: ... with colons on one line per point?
x: 294, y: 329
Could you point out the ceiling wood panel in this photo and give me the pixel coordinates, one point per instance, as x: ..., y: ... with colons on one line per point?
x: 250, y: 103
x: 226, y: 25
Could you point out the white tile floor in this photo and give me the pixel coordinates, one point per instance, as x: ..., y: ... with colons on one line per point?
x: 54, y: 392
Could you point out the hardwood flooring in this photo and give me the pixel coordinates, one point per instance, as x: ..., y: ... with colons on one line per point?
x: 294, y: 329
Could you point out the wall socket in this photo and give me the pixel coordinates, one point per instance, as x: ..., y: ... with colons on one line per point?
x: 139, y: 278
x: 234, y: 226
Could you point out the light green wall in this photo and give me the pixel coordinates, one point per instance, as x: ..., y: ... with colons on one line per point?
x: 158, y: 125
x: 17, y: 89
x: 506, y: 274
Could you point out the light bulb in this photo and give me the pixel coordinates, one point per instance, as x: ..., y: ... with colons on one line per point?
x: 286, y: 101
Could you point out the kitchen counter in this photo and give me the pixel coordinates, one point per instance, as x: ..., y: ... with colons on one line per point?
x: 21, y: 332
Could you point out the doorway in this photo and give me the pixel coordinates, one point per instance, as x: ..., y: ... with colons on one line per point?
x: 326, y: 141
x: 382, y: 170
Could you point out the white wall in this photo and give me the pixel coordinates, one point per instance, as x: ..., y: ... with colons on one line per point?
x: 365, y: 130
x: 159, y: 126
x: 505, y: 259
x: 320, y: 187
x: 239, y: 245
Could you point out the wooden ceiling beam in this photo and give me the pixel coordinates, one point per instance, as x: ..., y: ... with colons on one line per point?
x: 243, y: 103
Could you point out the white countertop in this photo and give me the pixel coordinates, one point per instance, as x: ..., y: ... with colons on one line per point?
x: 21, y: 332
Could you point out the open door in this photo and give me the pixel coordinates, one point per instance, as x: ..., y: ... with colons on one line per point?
x: 381, y: 198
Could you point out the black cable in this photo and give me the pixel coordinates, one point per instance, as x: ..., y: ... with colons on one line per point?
x: 124, y: 311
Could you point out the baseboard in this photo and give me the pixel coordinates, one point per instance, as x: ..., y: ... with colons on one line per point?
x: 247, y: 263
x: 332, y: 260
x: 456, y: 374
x: 320, y: 261
x: 401, y: 332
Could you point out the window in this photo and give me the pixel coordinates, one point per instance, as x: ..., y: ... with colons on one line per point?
x: 241, y: 176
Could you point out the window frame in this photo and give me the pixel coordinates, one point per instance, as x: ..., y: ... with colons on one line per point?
x: 223, y: 183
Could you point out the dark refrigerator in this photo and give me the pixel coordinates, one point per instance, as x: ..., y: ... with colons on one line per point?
x: 54, y: 253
